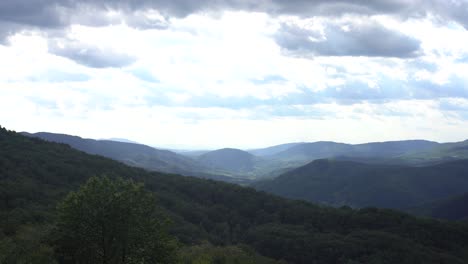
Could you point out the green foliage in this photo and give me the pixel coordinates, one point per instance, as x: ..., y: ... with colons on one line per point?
x: 112, y: 221
x: 27, y: 247
x: 207, y: 254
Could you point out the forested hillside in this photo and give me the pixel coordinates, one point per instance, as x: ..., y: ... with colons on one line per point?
x: 337, y: 183
x: 453, y: 208
x: 35, y: 175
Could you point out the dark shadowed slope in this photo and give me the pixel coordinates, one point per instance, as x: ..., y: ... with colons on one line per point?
x: 453, y: 208
x: 355, y: 184
x: 36, y: 174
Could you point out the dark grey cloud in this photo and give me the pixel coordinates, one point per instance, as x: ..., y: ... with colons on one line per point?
x: 372, y: 40
x: 89, y: 15
x: 455, y: 10
x: 339, y: 7
x: 60, y: 13
x: 89, y: 55
x: 6, y: 29
x: 37, y: 13
x: 139, y: 21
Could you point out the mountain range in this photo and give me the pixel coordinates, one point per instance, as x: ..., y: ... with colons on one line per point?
x: 237, y: 165
x: 395, y: 174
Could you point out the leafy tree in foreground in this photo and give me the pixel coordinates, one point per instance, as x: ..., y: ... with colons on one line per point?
x: 112, y: 221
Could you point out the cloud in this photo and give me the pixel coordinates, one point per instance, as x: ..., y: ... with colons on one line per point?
x: 148, y: 19
x: 455, y: 107
x: 269, y: 79
x: 89, y: 55
x: 339, y: 7
x: 144, y: 75
x: 6, y: 30
x: 358, y: 39
x: 452, y: 10
x: 388, y: 89
x: 58, y: 76
x: 46, y: 14
x: 454, y: 104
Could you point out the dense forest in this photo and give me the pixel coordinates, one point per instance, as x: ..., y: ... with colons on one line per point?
x: 213, y: 222
x: 338, y: 183
x: 452, y: 208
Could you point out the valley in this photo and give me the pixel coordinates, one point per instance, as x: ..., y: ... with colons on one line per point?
x: 395, y: 174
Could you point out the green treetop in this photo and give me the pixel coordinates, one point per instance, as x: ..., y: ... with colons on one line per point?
x: 113, y: 221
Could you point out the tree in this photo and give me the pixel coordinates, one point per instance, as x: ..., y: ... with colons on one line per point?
x: 112, y: 221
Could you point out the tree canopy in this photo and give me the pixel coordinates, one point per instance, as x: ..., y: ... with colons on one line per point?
x: 112, y: 221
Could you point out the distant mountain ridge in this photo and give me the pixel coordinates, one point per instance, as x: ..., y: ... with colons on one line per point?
x: 137, y: 155
x: 235, y: 165
x: 268, y: 151
x: 124, y: 140
x: 444, y: 151
x: 328, y: 149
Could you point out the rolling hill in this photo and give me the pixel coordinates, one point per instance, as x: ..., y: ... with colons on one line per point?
x: 228, y: 159
x: 36, y: 174
x: 338, y: 183
x: 326, y: 149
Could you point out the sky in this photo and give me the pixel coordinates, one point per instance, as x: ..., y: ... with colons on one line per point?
x: 209, y: 74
